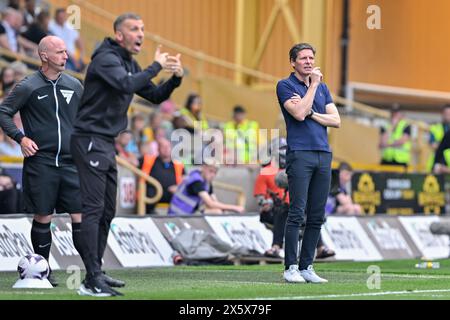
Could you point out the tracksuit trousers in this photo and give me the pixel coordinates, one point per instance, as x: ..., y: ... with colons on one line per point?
x: 95, y: 159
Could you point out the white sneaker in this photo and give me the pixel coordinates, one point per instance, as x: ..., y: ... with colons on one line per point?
x: 293, y: 274
x: 310, y: 275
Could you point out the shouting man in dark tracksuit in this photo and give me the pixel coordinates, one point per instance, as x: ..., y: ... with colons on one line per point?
x: 111, y: 80
x: 308, y: 110
x: 47, y: 101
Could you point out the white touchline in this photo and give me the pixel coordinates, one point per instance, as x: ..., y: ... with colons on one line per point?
x: 420, y: 276
x: 349, y: 295
x: 247, y: 282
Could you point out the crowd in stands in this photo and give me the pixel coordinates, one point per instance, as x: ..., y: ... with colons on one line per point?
x: 23, y: 24
x: 147, y: 142
x: 147, y: 145
x: 396, y: 141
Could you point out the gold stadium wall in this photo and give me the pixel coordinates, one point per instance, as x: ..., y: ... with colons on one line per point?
x: 221, y: 95
x: 209, y: 26
x: 203, y: 25
x: 411, y: 43
x: 411, y: 49
x: 345, y: 147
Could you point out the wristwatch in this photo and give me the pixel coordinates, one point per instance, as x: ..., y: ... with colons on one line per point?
x: 311, y: 113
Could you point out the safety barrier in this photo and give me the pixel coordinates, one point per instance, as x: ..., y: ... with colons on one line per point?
x: 145, y: 241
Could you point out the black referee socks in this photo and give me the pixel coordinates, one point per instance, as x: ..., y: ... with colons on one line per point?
x: 41, y: 238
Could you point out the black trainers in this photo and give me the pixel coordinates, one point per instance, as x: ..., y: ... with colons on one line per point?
x: 110, y: 281
x: 97, y: 287
x: 273, y: 253
x: 325, y: 252
x: 51, y: 278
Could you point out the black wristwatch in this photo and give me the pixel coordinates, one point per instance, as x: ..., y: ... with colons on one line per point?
x: 311, y: 113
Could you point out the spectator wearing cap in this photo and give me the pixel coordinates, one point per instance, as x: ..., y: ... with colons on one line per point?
x: 241, y: 136
x: 195, y: 193
x: 395, y: 141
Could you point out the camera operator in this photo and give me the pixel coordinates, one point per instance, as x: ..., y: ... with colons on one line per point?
x: 273, y: 200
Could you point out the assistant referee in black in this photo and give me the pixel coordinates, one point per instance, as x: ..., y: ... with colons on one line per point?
x: 112, y: 78
x: 47, y: 101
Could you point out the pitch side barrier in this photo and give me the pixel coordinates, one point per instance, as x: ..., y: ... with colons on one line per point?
x: 145, y: 241
x: 397, y: 193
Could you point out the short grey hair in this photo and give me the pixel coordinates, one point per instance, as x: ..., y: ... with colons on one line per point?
x: 120, y: 19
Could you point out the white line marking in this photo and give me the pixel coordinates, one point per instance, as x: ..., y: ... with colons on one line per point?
x: 350, y: 295
x: 231, y: 282
x: 283, y: 283
x: 420, y: 276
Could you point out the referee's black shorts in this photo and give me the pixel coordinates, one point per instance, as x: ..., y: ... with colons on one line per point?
x: 48, y: 189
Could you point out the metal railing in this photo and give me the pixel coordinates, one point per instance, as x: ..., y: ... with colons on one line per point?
x: 142, y: 199
x: 241, y: 200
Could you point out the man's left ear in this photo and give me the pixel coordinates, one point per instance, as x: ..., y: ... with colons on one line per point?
x: 119, y: 35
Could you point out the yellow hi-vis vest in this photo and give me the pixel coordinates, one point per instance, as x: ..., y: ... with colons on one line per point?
x: 201, y: 124
x: 400, y: 154
x: 242, y: 139
x: 447, y: 157
x: 437, y: 130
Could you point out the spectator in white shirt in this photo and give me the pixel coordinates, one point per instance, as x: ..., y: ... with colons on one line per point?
x: 9, y: 34
x: 64, y: 30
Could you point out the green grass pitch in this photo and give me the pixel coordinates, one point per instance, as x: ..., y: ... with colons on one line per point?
x: 348, y: 280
